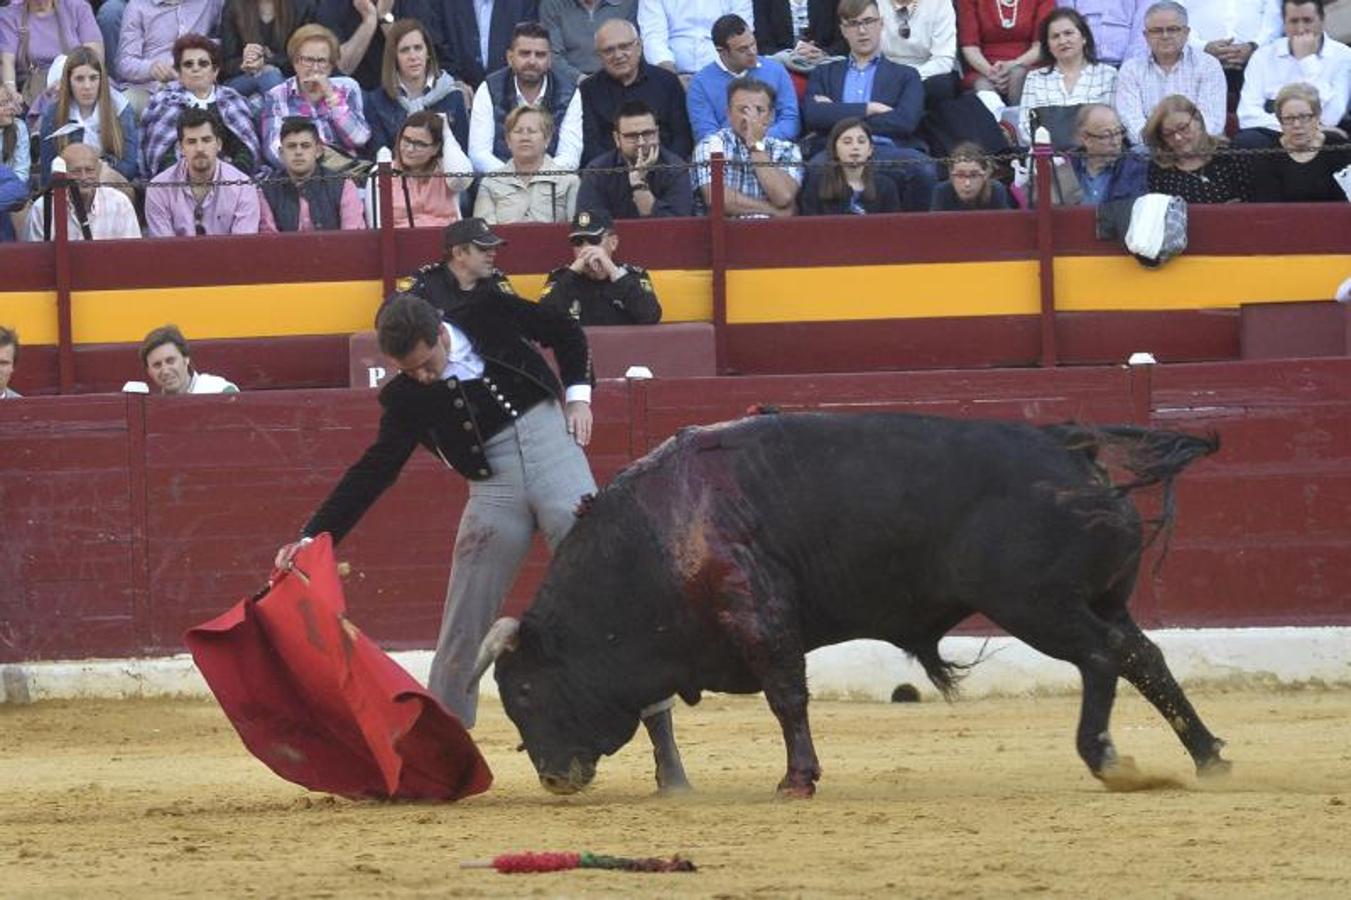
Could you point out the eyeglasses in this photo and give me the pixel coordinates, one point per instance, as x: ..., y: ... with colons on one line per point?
x: 198, y: 228
x: 860, y: 24
x: 416, y: 144
x: 1180, y: 130
x: 903, y: 22
x: 649, y: 134
x: 1296, y: 119
x: 1114, y: 134
x: 582, y: 240
x: 1166, y: 31
x: 195, y: 64
x: 623, y: 49
x: 315, y: 61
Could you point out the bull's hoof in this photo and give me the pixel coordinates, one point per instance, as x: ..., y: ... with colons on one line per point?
x: 673, y: 783
x: 1215, y: 767
x: 797, y: 787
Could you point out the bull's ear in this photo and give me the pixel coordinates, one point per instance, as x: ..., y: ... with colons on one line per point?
x: 501, y: 638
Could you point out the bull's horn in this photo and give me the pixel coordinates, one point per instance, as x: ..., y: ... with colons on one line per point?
x: 501, y: 637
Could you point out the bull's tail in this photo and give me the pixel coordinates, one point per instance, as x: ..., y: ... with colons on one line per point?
x: 1153, y: 457
x: 943, y: 674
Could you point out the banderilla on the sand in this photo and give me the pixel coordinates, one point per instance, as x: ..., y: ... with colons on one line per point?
x: 515, y: 863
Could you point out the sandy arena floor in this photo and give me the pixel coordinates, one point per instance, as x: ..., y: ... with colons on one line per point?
x: 979, y: 798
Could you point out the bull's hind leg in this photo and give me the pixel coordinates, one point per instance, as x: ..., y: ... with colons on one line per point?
x: 1143, y: 665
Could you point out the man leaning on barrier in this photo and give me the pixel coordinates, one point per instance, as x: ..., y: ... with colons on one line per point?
x: 593, y: 288
x: 94, y: 212
x: 639, y: 178
x: 9, y: 355
x: 763, y: 174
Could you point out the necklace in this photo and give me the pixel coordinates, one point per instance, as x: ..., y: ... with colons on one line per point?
x: 1011, y: 19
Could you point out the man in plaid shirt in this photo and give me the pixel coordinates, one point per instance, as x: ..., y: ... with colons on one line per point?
x: 750, y: 189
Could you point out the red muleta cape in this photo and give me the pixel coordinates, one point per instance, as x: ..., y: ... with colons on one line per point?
x: 321, y: 704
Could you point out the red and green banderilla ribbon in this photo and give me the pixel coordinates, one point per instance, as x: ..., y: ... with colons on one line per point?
x: 516, y: 863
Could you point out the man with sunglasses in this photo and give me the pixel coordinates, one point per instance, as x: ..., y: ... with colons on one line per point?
x: 594, y: 289
x: 200, y: 194
x: 639, y: 178
x: 1172, y: 66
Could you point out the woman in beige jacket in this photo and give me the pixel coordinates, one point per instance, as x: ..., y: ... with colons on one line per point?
x: 520, y: 190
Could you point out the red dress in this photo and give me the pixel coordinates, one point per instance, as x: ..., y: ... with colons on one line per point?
x: 978, y: 25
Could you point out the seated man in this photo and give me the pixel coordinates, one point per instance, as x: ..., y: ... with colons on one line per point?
x: 595, y: 289
x: 1117, y: 25
x: 572, y: 27
x: 204, y: 205
x: 145, y: 46
x: 164, y: 353
x: 360, y: 29
x: 750, y: 191
x: 886, y: 95
x: 197, y: 61
x: 529, y: 79
x: 477, y: 34
x: 9, y: 355
x: 302, y: 202
x: 623, y: 183
x: 801, y: 34
x: 1172, y: 66
x: 1231, y: 30
x: 95, y: 213
x: 1306, y: 54
x: 1104, y: 171
x: 739, y: 58
x: 676, y: 33
x: 626, y: 76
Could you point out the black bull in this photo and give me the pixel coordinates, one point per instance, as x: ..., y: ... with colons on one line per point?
x: 719, y: 559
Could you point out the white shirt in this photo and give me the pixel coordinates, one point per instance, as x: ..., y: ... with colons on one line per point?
x: 464, y: 363
x: 1096, y: 84
x: 1272, y: 68
x: 1244, y: 21
x: 680, y: 31
x: 932, y: 46
x: 203, y: 383
x: 111, y: 218
x: 483, y: 130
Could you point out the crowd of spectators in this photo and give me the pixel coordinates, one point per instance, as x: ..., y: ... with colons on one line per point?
x: 206, y: 117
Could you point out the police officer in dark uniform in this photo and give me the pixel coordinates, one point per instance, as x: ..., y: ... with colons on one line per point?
x: 440, y: 287
x: 595, y: 289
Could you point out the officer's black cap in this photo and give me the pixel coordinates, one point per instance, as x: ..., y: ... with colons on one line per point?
x: 591, y: 223
x: 470, y: 231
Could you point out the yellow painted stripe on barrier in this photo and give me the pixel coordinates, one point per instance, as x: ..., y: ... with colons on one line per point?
x: 31, y: 313
x: 1194, y: 282
x: 686, y: 295
x: 851, y: 293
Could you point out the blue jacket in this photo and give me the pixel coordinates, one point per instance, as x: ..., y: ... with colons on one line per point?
x: 898, y: 86
x: 706, y: 99
x: 385, y: 116
x: 13, y: 193
x: 127, y: 164
x: 459, y: 29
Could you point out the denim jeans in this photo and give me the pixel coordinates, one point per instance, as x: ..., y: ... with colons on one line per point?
x: 109, y: 18
x: 267, y: 78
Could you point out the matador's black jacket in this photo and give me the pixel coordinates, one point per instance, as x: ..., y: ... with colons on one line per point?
x: 455, y: 417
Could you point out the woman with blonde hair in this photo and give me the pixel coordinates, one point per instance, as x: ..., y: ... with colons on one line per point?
x: 520, y: 190
x: 411, y: 79
x: 1187, y: 161
x: 88, y: 111
x: 1304, y: 172
x: 427, y: 164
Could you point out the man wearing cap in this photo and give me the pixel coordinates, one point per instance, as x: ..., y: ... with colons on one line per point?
x: 463, y: 277
x: 594, y: 289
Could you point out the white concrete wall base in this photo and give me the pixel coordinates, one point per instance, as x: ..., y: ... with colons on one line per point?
x: 857, y: 670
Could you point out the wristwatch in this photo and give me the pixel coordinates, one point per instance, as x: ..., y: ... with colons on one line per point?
x: 758, y: 145
x: 640, y: 186
x: 388, y: 18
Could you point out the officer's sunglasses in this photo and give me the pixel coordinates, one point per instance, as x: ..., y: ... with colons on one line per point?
x: 582, y: 240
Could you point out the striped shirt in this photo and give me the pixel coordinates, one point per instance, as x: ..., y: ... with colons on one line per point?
x: 1096, y: 84
x: 1197, y: 75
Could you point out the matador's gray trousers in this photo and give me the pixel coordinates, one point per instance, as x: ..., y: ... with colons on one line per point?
x: 539, y: 475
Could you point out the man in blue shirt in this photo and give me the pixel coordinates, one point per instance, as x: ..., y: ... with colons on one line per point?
x: 738, y: 57
x: 886, y: 95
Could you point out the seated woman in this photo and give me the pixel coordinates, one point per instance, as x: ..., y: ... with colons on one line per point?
x: 197, y: 61
x: 35, y: 32
x: 426, y: 156
x: 971, y: 183
x: 253, y: 36
x: 1185, y: 160
x: 516, y: 191
x: 999, y: 43
x: 922, y: 34
x: 1070, y: 76
x: 847, y: 184
x: 1303, y: 173
x: 15, y: 147
x: 411, y: 79
x: 334, y: 102
x: 88, y: 111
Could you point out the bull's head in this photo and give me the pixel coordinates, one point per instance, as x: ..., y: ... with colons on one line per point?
x: 563, y: 729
